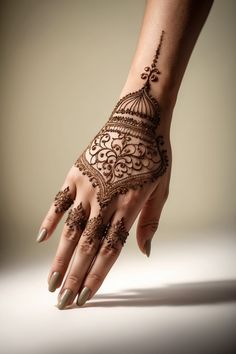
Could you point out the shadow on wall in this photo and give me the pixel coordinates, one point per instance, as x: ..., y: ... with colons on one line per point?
x: 197, y: 293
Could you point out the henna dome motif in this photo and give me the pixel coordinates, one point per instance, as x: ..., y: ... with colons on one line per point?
x: 140, y: 104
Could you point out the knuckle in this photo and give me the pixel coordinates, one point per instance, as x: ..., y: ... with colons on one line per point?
x: 71, y: 236
x: 73, y: 279
x: 59, y: 260
x: 153, y: 227
x: 112, y: 252
x: 86, y: 248
x: 129, y: 200
x: 72, y: 175
x: 96, y: 278
x: 50, y: 219
x: 150, y: 226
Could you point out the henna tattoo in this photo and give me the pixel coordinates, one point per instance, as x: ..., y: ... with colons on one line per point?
x: 63, y: 200
x: 76, y: 219
x: 94, y: 231
x: 116, y: 233
x: 127, y: 153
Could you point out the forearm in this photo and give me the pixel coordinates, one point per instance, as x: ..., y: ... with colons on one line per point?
x: 181, y: 21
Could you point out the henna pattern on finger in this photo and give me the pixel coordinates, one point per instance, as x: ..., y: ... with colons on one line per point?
x: 127, y: 152
x: 63, y: 200
x: 94, y: 231
x: 76, y: 219
x: 117, y: 233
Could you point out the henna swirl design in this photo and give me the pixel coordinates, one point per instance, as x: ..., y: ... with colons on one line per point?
x: 63, y: 200
x: 117, y: 233
x: 127, y: 153
x: 76, y: 219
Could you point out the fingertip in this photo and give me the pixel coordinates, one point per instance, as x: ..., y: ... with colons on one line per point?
x: 42, y: 235
x: 147, y: 247
x: 54, y: 281
x: 144, y: 238
x: 143, y: 249
x: 84, y: 296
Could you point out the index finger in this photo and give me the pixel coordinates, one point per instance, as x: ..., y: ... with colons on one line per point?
x: 62, y: 202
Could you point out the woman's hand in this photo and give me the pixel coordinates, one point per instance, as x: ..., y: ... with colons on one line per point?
x: 124, y: 170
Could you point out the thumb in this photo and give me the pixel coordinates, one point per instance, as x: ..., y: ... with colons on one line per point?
x: 150, y: 216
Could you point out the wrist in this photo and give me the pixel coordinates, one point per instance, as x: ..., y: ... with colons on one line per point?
x: 148, y: 97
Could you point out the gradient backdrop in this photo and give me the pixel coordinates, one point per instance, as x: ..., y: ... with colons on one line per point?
x: 63, y: 65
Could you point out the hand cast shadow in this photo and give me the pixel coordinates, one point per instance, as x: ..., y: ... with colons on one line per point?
x: 182, y: 294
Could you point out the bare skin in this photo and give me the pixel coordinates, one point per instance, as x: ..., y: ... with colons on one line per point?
x: 126, y: 169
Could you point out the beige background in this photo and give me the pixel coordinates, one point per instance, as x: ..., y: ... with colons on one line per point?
x: 63, y: 65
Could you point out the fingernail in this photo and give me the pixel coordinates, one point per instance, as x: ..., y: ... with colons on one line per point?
x: 83, y: 297
x: 42, y: 234
x: 147, y: 247
x: 54, y: 280
x: 64, y: 299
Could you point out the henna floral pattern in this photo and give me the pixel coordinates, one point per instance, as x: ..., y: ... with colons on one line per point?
x: 95, y: 230
x: 76, y: 219
x: 127, y: 152
x: 117, y: 233
x: 63, y: 200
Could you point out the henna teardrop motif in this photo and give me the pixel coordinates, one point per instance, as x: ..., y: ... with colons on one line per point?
x: 126, y: 153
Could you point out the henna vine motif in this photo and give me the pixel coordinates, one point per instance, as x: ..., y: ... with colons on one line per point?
x: 116, y: 233
x: 127, y: 152
x: 63, y: 200
x: 76, y: 219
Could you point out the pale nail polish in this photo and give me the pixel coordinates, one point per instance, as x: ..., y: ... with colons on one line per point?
x: 42, y: 234
x: 64, y: 299
x: 148, y: 247
x: 54, y: 280
x: 83, y: 297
